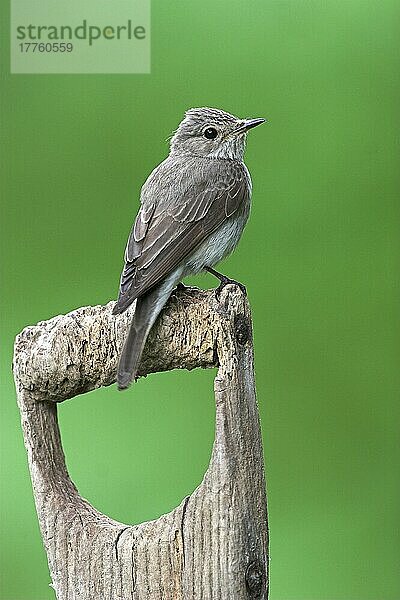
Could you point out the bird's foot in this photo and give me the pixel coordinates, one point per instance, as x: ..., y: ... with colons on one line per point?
x: 180, y: 288
x: 227, y: 281
x: 224, y: 281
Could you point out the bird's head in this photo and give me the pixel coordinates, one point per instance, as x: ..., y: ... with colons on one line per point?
x: 212, y: 133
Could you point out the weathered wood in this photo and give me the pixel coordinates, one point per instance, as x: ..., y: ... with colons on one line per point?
x: 214, y: 545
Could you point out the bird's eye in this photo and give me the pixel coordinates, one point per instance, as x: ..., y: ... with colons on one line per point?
x: 210, y: 133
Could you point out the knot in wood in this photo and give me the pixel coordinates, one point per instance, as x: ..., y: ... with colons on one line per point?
x: 242, y: 329
x: 254, y: 579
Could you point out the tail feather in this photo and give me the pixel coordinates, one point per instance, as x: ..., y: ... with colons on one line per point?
x: 148, y: 307
x: 131, y: 354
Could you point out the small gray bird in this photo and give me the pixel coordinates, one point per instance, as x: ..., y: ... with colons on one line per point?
x: 194, y: 207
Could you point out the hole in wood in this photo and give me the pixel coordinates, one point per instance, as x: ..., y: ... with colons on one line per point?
x: 136, y: 455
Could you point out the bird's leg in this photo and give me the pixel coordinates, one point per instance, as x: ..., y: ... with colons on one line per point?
x: 224, y: 281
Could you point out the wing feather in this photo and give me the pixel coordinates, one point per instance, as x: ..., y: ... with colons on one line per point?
x: 176, y: 216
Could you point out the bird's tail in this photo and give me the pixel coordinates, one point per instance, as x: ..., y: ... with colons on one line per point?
x: 148, y: 308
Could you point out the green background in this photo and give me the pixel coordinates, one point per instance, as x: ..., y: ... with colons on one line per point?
x: 318, y: 257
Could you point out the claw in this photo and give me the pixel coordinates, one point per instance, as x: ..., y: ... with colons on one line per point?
x: 226, y: 281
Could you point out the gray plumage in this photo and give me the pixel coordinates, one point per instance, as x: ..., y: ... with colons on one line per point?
x: 194, y: 207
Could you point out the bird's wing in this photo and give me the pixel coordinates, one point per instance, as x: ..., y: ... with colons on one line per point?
x: 168, y: 229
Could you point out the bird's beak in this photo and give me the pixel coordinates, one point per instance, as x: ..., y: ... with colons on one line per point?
x: 249, y: 124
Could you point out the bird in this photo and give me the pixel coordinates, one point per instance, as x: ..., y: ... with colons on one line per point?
x: 193, y: 209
